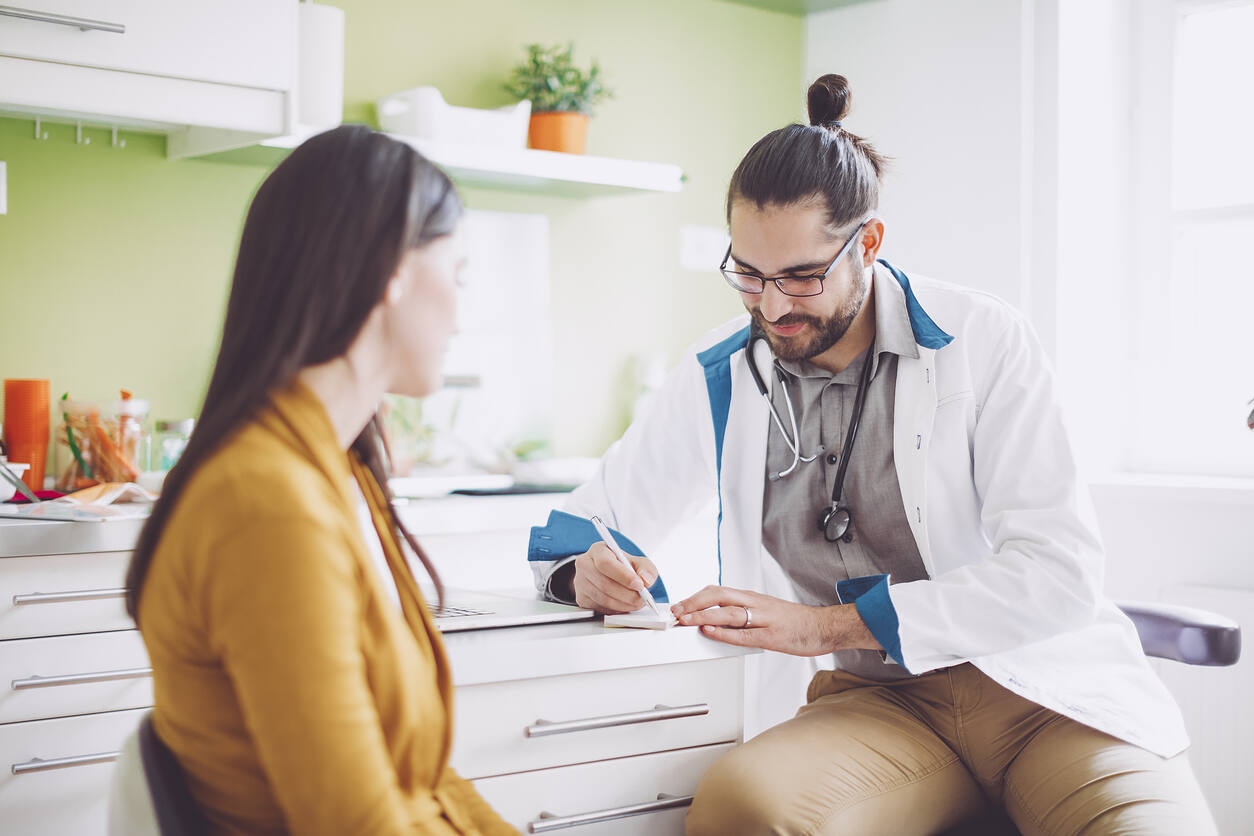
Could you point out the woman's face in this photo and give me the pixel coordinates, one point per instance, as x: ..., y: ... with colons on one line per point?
x: 422, y: 314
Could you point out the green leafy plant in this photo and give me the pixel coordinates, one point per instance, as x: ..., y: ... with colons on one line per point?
x: 551, y: 81
x: 411, y: 440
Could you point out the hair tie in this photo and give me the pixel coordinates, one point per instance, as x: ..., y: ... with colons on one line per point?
x: 834, y: 125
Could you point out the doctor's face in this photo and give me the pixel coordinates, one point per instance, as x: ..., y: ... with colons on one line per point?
x: 791, y: 242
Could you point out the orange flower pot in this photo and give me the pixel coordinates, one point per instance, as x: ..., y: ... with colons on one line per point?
x: 558, y: 131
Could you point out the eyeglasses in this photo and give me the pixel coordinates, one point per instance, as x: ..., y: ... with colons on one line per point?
x: 790, y: 285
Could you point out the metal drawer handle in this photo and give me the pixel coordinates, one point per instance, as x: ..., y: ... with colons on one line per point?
x: 62, y: 20
x: 39, y: 765
x: 544, y: 728
x: 62, y: 597
x: 79, y: 678
x: 548, y: 821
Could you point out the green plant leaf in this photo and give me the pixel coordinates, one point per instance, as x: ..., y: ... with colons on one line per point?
x: 549, y: 79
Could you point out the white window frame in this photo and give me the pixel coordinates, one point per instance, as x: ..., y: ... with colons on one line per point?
x: 1157, y: 222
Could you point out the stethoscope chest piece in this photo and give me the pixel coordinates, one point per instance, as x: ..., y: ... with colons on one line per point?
x: 834, y: 523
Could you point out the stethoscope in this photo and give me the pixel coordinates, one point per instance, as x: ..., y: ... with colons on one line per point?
x: 836, y: 518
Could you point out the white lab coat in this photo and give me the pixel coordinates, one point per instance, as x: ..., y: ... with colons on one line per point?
x: 990, y: 489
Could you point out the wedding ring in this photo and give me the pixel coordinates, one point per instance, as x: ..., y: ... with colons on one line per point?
x: 748, y: 619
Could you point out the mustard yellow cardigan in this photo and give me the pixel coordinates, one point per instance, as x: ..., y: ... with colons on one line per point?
x: 295, y: 695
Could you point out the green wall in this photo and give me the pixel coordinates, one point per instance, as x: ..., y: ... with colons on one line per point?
x: 115, y: 262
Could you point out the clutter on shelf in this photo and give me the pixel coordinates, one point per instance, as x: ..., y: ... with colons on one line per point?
x: 422, y: 113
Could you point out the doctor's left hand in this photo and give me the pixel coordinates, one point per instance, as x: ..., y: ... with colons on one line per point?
x: 751, y: 619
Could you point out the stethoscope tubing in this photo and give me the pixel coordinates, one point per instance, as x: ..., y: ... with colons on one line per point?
x: 797, y: 458
x: 794, y: 440
x: 858, y: 402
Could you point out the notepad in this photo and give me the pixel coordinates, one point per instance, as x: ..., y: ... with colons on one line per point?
x: 643, y: 618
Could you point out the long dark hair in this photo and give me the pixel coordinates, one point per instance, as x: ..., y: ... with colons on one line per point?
x: 821, y: 161
x: 323, y: 236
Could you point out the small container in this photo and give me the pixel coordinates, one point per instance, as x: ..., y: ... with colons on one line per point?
x: 170, y: 439
x: 133, y: 438
x: 26, y: 431
x: 422, y: 113
x: 101, y: 442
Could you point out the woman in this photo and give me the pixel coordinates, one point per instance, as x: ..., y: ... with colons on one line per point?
x: 297, y: 675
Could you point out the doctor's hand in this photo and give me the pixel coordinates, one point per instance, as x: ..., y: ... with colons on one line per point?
x: 751, y: 619
x: 604, y: 584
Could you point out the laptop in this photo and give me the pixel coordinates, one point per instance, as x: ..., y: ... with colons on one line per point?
x: 466, y: 609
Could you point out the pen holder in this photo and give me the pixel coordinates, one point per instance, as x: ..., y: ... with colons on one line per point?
x: 101, y: 442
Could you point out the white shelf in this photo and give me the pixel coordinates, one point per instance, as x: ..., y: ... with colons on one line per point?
x: 550, y: 172
x: 544, y: 172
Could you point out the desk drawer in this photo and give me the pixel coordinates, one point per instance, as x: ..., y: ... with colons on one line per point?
x: 68, y: 796
x: 609, y: 798
x: 63, y: 594
x: 89, y: 673
x: 505, y: 727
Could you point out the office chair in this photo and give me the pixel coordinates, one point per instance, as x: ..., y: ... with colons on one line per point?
x: 149, y: 795
x: 1167, y: 631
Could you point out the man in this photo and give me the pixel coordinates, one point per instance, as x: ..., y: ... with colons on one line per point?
x: 905, y: 507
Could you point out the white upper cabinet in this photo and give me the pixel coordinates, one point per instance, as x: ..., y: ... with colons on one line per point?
x: 249, y: 43
x: 212, y: 75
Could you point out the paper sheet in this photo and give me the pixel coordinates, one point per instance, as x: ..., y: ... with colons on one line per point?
x: 643, y: 618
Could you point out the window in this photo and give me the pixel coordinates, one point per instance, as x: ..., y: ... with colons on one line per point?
x: 497, y: 399
x: 1193, y: 282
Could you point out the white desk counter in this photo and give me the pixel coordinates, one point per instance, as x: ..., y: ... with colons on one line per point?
x: 574, y: 725
x: 480, y: 656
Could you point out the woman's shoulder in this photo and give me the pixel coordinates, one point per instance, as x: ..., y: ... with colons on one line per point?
x: 255, y: 512
x: 254, y: 478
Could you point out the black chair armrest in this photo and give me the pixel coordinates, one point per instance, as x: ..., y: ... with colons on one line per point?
x: 1185, y: 634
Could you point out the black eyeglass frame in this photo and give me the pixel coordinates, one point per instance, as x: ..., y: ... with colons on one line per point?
x: 762, y: 280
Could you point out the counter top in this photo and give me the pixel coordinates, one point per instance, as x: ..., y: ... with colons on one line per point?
x: 513, y: 653
x: 442, y: 515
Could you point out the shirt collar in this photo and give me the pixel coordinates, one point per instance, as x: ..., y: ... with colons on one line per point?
x: 893, y: 332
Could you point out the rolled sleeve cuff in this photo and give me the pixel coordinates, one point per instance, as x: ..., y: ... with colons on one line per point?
x: 554, y: 544
x: 870, y: 595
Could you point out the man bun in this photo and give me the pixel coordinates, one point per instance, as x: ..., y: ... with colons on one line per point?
x: 822, y: 160
x: 828, y: 100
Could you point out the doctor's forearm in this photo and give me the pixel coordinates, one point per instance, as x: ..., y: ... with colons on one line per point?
x: 845, y: 629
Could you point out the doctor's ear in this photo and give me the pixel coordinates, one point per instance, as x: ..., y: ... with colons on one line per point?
x: 872, y: 236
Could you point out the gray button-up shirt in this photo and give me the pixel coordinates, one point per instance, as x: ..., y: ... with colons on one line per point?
x: 879, y: 540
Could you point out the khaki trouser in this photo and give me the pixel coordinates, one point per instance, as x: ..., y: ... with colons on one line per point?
x: 926, y: 754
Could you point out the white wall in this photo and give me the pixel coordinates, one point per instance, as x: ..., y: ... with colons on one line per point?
x: 939, y: 86
x: 1011, y: 171
x: 1093, y: 287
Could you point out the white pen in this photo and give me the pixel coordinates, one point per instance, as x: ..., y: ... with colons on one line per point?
x: 622, y: 558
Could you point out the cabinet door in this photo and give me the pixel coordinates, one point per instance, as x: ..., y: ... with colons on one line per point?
x: 68, y: 675
x: 247, y: 43
x: 54, y: 774
x: 623, y: 797
x: 62, y: 594
x: 505, y: 727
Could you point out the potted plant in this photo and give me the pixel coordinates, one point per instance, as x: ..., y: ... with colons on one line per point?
x: 562, y: 97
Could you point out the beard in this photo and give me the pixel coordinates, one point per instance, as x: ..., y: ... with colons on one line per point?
x: 827, y: 332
